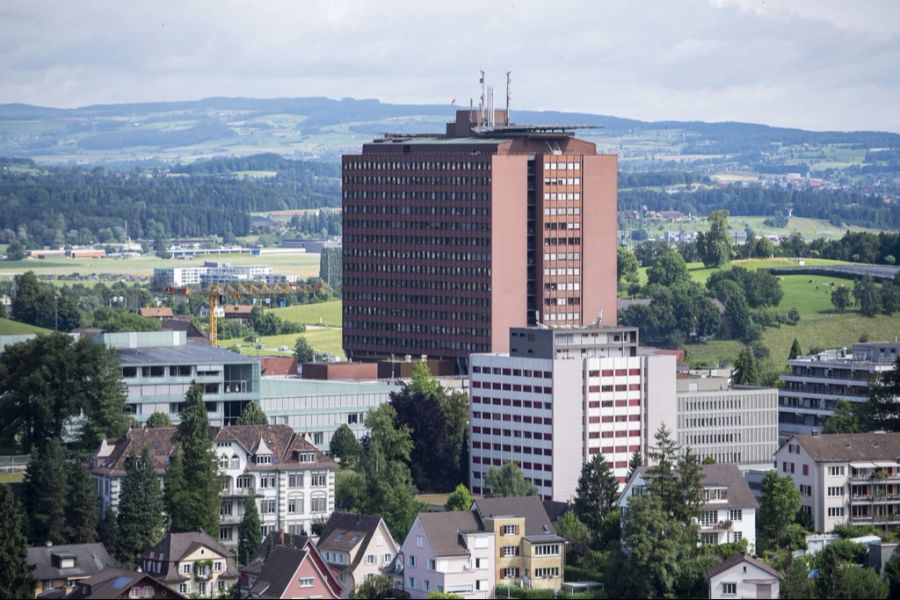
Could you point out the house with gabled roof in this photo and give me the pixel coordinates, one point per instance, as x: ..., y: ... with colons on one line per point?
x: 742, y: 576
x: 122, y: 583
x: 291, y: 480
x: 357, y: 546
x: 61, y: 567
x: 448, y: 552
x: 288, y: 566
x: 193, y: 563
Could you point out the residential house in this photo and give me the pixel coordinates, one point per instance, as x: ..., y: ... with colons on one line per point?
x: 358, y: 547
x: 743, y: 576
x: 528, y: 551
x: 851, y: 478
x: 448, y: 552
x: 288, y: 566
x: 728, y: 513
x: 292, y: 481
x: 193, y: 563
x: 240, y: 312
x: 62, y: 567
x: 123, y: 583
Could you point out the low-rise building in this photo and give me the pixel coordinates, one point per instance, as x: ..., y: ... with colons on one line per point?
x: 62, y: 567
x: 123, y: 583
x: 728, y: 513
x: 292, y: 481
x: 742, y: 576
x: 851, y: 478
x: 736, y: 425
x: 288, y: 566
x: 529, y: 553
x: 193, y: 563
x: 815, y: 383
x: 448, y: 552
x: 357, y: 546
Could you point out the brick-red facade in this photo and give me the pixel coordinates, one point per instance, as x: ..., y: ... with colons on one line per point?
x: 450, y: 240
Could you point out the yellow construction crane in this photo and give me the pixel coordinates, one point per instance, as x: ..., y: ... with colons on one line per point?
x: 216, y: 298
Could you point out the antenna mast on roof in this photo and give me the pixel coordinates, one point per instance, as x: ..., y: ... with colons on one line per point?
x: 481, y: 102
x: 508, y: 80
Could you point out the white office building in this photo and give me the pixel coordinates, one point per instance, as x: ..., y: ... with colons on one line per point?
x: 561, y: 396
x: 815, y: 384
x: 216, y: 273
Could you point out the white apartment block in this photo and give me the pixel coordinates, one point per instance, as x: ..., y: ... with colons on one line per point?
x: 815, y: 384
x: 216, y: 273
x: 736, y: 425
x: 728, y: 514
x: 849, y: 478
x: 292, y: 481
x: 561, y: 396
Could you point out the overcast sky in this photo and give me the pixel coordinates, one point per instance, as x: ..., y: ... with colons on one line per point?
x: 815, y: 64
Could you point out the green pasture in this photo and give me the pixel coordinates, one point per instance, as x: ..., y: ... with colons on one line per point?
x: 10, y: 327
x: 322, y: 313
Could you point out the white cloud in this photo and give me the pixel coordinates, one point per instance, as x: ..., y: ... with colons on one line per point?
x: 816, y: 64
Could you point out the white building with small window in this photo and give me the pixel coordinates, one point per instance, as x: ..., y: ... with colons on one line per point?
x: 742, y: 576
x: 292, y: 481
x: 357, y: 547
x: 192, y: 563
x: 849, y: 478
x: 728, y: 513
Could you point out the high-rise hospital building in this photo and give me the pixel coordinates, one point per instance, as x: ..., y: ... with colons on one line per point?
x: 452, y: 239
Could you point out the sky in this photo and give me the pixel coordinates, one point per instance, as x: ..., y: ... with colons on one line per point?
x: 813, y: 64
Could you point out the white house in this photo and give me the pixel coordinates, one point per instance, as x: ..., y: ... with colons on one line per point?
x: 357, y: 547
x: 743, y: 576
x: 728, y: 513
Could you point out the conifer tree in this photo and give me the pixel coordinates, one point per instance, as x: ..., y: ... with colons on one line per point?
x: 795, y: 350
x: 252, y: 415
x: 108, y: 531
x: 16, y: 580
x: 193, y: 481
x: 45, y: 495
x: 140, y: 521
x: 635, y: 463
x: 82, y: 507
x: 596, y: 493
x: 249, y: 532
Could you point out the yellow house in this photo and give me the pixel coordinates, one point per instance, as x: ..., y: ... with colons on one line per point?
x: 528, y: 551
x: 192, y: 563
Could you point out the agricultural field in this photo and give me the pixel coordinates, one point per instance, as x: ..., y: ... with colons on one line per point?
x: 322, y: 339
x: 302, y: 265
x: 322, y: 313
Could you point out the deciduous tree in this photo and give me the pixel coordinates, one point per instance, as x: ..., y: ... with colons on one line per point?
x: 843, y: 419
x: 344, y: 446
x: 252, y: 415
x: 460, y: 499
x: 158, y: 419
x: 508, y: 480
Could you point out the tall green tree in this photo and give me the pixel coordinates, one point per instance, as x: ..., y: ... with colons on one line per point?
x: 460, y: 499
x: 656, y: 547
x: 843, y: 419
x: 101, y: 394
x: 303, y: 352
x: 882, y: 411
x: 82, y: 505
x: 715, y: 245
x: 576, y: 533
x: 795, y: 350
x: 627, y: 266
x: 777, y: 511
x: 840, y: 297
x: 252, y: 415
x: 108, y: 532
x: 668, y: 270
x: 507, y: 481
x: 344, y: 445
x: 16, y: 579
x: 747, y: 370
x: 867, y: 296
x: 250, y: 532
x: 140, y: 521
x: 634, y: 463
x: 193, y: 481
x: 46, y: 492
x: 596, y: 493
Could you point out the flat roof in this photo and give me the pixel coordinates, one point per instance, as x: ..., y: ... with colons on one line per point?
x: 276, y: 387
x: 189, y: 354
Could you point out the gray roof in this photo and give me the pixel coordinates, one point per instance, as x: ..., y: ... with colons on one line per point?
x: 90, y: 559
x: 113, y: 583
x: 730, y: 476
x: 172, y: 548
x: 344, y: 531
x: 847, y: 447
x: 278, y: 570
x: 531, y: 508
x: 738, y: 559
x: 190, y: 354
x: 443, y: 530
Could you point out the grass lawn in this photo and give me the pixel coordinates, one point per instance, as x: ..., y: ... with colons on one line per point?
x: 10, y: 327
x: 322, y: 313
x: 11, y: 477
x: 322, y: 339
x: 810, y: 294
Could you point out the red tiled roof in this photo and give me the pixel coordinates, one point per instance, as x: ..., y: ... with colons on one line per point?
x: 157, y: 312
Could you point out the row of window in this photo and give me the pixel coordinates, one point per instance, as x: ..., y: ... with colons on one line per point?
x: 614, y: 403
x: 553, y: 166
x: 514, y: 402
x: 561, y: 211
x: 514, y: 372
x: 418, y: 269
x: 514, y: 418
x: 435, y: 211
x: 355, y: 164
x: 428, y: 225
x: 421, y: 284
x: 404, y: 242
x: 424, y: 329
x: 366, y: 341
x: 562, y: 255
x: 510, y: 387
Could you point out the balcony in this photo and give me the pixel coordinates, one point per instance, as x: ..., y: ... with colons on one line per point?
x: 719, y: 526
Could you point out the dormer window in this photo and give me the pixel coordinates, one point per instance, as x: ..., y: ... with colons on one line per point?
x: 715, y: 494
x: 306, y: 457
x: 263, y: 459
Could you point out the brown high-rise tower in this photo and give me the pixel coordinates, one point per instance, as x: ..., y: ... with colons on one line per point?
x: 450, y: 240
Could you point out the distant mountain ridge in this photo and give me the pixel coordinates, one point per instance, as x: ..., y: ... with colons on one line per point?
x: 318, y: 127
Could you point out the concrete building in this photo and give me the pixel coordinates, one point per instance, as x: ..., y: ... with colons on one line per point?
x: 451, y: 239
x: 736, y: 425
x: 448, y: 552
x: 845, y: 478
x: 357, y: 547
x: 330, y: 266
x: 560, y: 396
x: 728, y: 513
x: 216, y: 273
x: 815, y: 383
x: 292, y: 481
x: 742, y: 576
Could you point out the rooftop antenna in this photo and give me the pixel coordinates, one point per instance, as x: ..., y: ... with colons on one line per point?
x: 508, y: 96
x: 481, y: 102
